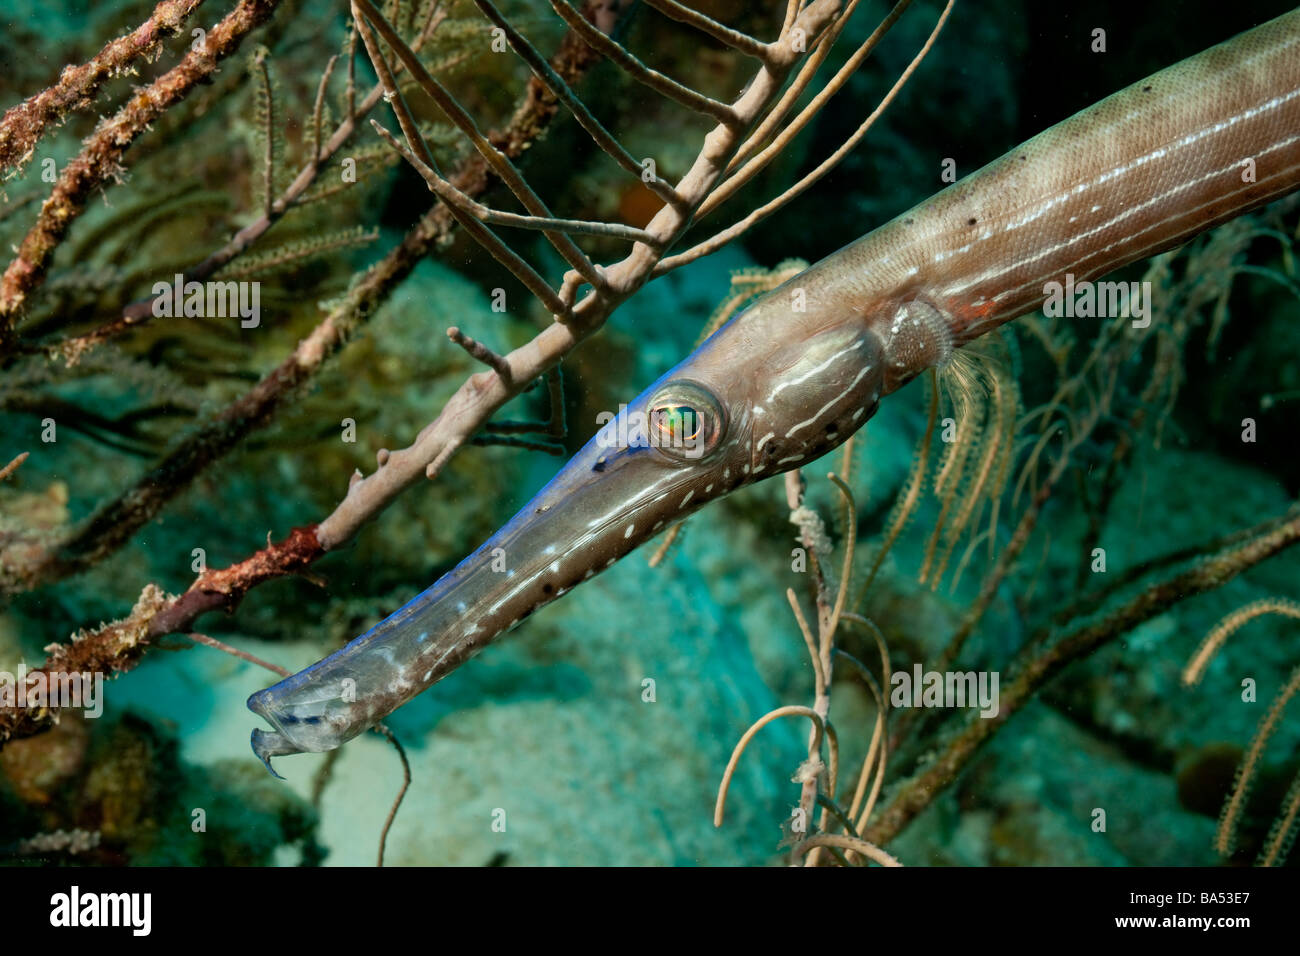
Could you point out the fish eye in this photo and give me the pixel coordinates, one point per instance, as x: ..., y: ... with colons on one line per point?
x: 685, y: 420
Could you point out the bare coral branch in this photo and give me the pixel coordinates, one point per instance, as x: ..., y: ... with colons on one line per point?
x: 791, y: 710
x: 363, y: 12
x: 554, y: 426
x: 13, y: 466
x: 787, y: 132
x: 458, y: 204
x: 479, y: 352
x: 514, y: 441
x: 664, y: 85
x: 482, y: 396
x: 492, y: 217
x: 563, y: 92
x: 742, y: 42
x: 387, y: 734
x: 865, y: 847
x: 225, y: 648
x: 733, y: 232
x: 798, y: 86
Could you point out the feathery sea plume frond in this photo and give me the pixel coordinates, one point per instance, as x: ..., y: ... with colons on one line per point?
x: 1283, y: 833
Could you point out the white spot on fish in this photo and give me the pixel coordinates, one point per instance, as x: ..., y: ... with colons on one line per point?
x: 550, y: 549
x: 427, y: 675
x: 424, y: 636
x: 791, y: 458
x: 708, y: 488
x: 690, y: 494
x: 859, y: 413
x: 744, y: 469
x: 588, y: 574
x: 460, y: 608
x: 628, y: 532
x: 610, y: 561
x: 555, y: 566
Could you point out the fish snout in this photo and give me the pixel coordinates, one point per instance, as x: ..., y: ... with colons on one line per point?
x: 296, y: 730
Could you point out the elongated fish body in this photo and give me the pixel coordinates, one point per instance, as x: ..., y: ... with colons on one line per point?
x: 797, y: 373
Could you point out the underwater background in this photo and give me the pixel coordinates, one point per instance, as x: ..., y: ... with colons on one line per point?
x: 552, y: 724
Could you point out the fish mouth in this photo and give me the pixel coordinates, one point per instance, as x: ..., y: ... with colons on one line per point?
x: 287, y: 738
x: 268, y: 744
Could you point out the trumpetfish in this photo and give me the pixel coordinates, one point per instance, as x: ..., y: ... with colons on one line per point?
x: 804, y: 367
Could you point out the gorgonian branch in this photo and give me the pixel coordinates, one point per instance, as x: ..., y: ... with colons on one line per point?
x: 117, y: 646
x: 470, y: 409
x: 22, y: 126
x: 101, y: 155
x: 292, y: 197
